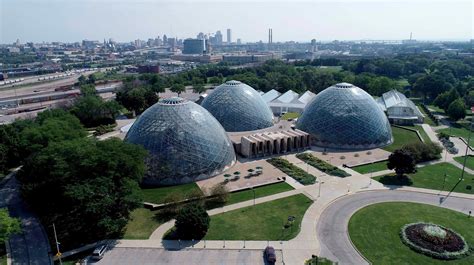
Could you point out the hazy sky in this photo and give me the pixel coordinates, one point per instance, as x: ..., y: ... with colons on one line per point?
x: 126, y: 20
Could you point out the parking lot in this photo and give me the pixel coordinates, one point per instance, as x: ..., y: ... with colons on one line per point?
x: 118, y: 256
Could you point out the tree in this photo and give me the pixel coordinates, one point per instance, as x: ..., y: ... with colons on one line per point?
x: 136, y: 98
x: 457, y: 110
x: 93, y: 111
x: 85, y: 186
x: 192, y: 222
x: 199, y: 88
x: 8, y: 225
x: 402, y: 161
x: 82, y: 79
x: 178, y: 88
x: 88, y: 90
x: 443, y: 100
x: 219, y: 193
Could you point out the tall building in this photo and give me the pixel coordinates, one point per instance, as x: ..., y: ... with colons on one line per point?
x: 218, y: 37
x: 229, y: 36
x: 194, y: 46
x: 165, y: 40
x: 270, y: 36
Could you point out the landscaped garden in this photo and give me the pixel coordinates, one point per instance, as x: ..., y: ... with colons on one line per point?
x: 401, y: 137
x: 293, y: 171
x: 383, y: 222
x: 469, y: 161
x: 433, y: 177
x: 372, y: 167
x: 322, y: 165
x: 458, y: 131
x: 265, y: 221
x: 158, y: 195
x: 290, y: 115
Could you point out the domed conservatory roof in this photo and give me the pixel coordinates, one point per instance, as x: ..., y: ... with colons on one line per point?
x: 238, y: 107
x: 185, y: 142
x: 344, y: 116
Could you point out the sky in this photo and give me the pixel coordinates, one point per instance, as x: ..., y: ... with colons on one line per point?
x: 127, y: 20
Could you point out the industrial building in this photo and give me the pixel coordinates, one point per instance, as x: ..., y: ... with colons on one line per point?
x: 194, y: 46
x: 400, y: 110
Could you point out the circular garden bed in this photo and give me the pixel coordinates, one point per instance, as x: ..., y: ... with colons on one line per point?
x: 434, y: 240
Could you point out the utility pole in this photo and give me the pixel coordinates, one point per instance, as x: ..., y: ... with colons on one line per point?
x: 467, y: 150
x: 57, y: 245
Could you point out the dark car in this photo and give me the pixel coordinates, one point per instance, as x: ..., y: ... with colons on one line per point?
x: 269, y: 254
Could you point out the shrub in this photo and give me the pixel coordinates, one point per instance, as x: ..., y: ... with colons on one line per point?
x: 293, y: 171
x: 423, y: 152
x: 103, y: 129
x: 322, y: 165
x: 192, y: 222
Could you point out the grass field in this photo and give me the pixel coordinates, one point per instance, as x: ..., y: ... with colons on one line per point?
x: 290, y: 115
x: 401, y: 137
x: 260, y: 222
x: 373, y: 167
x: 246, y: 195
x: 374, y: 230
x: 469, y: 161
x: 459, y: 131
x: 432, y: 177
x: 156, y: 195
x: 142, y: 223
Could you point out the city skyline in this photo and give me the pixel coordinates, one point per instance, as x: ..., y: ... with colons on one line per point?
x: 125, y: 21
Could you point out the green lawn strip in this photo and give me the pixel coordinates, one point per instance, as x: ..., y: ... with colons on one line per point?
x: 427, y: 119
x: 469, y: 161
x: 263, y: 191
x: 422, y: 132
x: 263, y: 221
x: 401, y: 137
x: 157, y: 195
x: 143, y: 222
x: 293, y: 171
x: 458, y: 132
x: 432, y: 177
x: 374, y: 230
x: 435, y: 109
x: 322, y: 165
x: 290, y: 115
x: 372, y: 167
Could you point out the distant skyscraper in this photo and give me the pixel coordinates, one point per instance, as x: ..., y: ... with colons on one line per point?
x: 219, y: 37
x: 165, y: 40
x: 200, y: 36
x: 270, y: 36
x: 229, y: 36
x: 239, y: 41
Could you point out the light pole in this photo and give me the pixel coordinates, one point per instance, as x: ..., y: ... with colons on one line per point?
x: 253, y: 190
x: 319, y: 191
x: 57, y: 245
x: 467, y: 149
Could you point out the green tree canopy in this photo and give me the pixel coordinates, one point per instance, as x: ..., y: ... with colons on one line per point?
x: 85, y: 186
x: 93, y: 111
x: 178, y: 88
x: 199, y: 88
x: 192, y: 222
x: 8, y: 225
x: 457, y: 110
x: 402, y: 162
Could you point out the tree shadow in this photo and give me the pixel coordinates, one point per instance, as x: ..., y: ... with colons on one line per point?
x: 395, y: 180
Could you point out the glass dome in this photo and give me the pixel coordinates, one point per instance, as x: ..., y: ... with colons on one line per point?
x: 344, y: 116
x: 185, y: 142
x: 238, y: 107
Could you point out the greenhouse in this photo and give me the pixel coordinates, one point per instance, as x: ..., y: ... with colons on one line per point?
x: 238, y: 107
x: 344, y: 116
x: 185, y: 143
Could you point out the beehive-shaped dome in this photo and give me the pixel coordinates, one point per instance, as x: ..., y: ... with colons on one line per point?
x: 344, y: 116
x: 238, y: 107
x: 185, y: 142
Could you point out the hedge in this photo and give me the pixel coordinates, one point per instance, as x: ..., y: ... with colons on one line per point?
x: 322, y: 165
x: 293, y: 171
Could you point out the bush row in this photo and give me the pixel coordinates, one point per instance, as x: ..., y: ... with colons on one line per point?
x: 293, y: 171
x: 430, y: 115
x: 322, y: 165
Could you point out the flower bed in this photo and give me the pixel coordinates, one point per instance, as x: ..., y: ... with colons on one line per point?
x: 434, y: 240
x: 293, y: 171
x: 322, y: 165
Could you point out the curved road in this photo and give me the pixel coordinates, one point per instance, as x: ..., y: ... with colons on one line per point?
x: 332, y: 226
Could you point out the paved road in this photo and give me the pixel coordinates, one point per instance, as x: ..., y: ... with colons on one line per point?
x: 143, y: 256
x: 332, y: 226
x: 30, y: 247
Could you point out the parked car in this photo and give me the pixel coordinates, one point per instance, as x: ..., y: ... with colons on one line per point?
x: 99, y: 252
x: 269, y: 254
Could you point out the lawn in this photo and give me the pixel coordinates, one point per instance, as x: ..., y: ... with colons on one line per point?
x: 469, y: 161
x: 372, y: 167
x: 142, y: 223
x: 459, y: 131
x: 401, y: 137
x: 290, y: 115
x: 156, y: 195
x: 374, y: 230
x: 260, y: 222
x: 263, y: 191
x: 432, y: 177
x: 427, y: 119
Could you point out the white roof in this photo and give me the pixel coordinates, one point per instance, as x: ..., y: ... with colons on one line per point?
x: 306, y: 97
x: 271, y: 95
x: 394, y: 98
x: 287, y: 97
